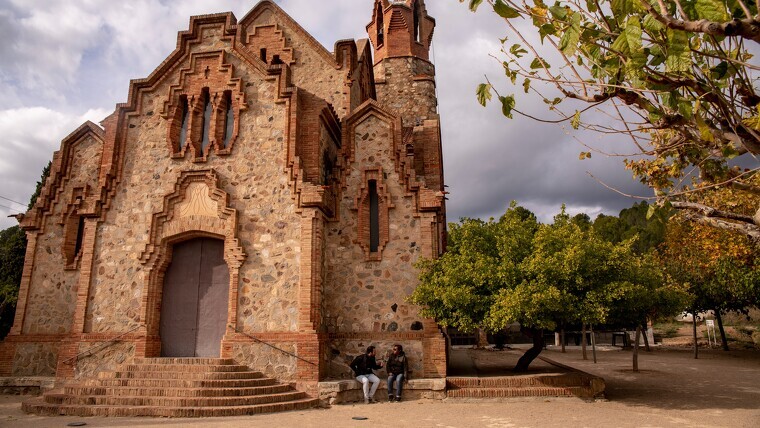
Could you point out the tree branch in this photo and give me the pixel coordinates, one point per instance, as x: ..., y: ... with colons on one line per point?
x: 711, y: 212
x: 749, y: 230
x: 748, y: 28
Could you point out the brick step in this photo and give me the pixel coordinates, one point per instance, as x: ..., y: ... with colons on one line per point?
x: 142, y: 401
x: 517, y: 381
x: 39, y: 407
x: 185, y: 361
x: 573, y: 391
x: 175, y: 392
x: 182, y: 383
x: 181, y: 375
x: 185, y: 368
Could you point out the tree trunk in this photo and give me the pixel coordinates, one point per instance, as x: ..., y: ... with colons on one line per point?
x: 593, y: 342
x: 636, y: 349
x: 562, y: 338
x: 722, y: 332
x: 646, y: 339
x: 531, y: 354
x: 694, y: 331
x: 583, y: 341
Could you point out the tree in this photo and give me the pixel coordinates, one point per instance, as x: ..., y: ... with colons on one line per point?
x: 644, y: 221
x: 517, y: 271
x: 676, y: 78
x: 718, y: 267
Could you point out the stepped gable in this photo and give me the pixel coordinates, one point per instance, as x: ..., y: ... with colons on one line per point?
x: 173, y: 387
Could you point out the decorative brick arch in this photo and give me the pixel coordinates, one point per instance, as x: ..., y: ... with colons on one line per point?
x: 197, y: 208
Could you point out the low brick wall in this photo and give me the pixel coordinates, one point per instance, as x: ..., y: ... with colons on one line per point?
x: 24, y: 385
x: 350, y: 391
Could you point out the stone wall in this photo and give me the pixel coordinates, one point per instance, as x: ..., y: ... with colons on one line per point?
x: 347, y: 349
x: 96, y: 357
x: 253, y: 175
x: 270, y: 361
x: 35, y: 359
x: 406, y: 86
x: 370, y: 296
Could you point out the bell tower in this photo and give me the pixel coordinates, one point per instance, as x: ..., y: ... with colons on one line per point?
x: 401, y: 32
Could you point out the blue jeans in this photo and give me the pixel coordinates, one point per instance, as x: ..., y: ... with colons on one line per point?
x: 399, y: 378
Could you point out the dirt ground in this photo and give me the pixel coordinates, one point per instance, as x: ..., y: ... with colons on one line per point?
x: 720, y: 389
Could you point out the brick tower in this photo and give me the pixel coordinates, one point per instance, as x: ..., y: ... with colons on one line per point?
x: 401, y: 32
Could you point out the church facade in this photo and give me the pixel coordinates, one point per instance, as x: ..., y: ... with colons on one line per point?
x: 257, y: 197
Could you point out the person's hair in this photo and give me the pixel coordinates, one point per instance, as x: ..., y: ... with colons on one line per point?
x: 400, y: 348
x: 370, y: 349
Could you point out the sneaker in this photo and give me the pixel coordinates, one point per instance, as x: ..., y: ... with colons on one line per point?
x: 372, y: 400
x: 398, y: 399
x: 366, y: 400
x: 390, y: 398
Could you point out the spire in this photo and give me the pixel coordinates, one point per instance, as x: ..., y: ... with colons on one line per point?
x: 401, y: 28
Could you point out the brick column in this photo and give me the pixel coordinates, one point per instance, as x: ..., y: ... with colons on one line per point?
x: 26, y: 280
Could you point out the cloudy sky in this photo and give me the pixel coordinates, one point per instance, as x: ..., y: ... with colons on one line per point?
x: 67, y: 61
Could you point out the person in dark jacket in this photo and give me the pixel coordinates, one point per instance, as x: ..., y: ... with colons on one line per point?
x: 362, y: 367
x: 398, y: 371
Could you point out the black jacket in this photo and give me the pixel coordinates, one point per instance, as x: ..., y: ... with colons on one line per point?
x: 397, y: 364
x: 363, y: 365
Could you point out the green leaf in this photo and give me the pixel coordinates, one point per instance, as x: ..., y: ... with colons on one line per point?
x: 633, y: 35
x: 473, y: 4
x: 651, y: 211
x: 621, y: 45
x: 484, y: 93
x: 505, y: 11
x: 517, y: 51
x: 568, y: 44
x: 546, y: 30
x: 558, y: 12
x: 622, y: 8
x: 652, y: 25
x: 539, y: 63
x: 576, y: 122
x: 679, y: 54
x: 591, y: 5
x: 526, y: 85
x: 712, y: 10
x: 719, y: 71
x: 507, y: 104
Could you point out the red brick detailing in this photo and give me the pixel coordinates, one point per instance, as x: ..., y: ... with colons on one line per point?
x: 211, y: 71
x: 362, y: 206
x: 271, y: 39
x: 169, y: 227
x: 397, y: 20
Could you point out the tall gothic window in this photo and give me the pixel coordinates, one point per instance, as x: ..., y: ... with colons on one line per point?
x: 185, y: 119
x: 380, y: 25
x: 206, y: 124
x: 417, y: 32
x: 374, y: 217
x: 229, y: 118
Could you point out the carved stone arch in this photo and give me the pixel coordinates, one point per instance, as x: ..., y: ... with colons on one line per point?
x: 197, y: 208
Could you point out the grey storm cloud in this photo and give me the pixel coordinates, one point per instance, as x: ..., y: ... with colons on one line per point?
x: 66, y: 62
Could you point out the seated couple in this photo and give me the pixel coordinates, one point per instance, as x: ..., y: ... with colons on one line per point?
x: 396, y: 367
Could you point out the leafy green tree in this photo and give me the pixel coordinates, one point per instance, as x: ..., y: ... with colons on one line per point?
x: 676, y: 79
x: 645, y: 222
x: 516, y: 271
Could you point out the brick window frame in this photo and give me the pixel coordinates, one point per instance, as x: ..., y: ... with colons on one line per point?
x: 73, y: 238
x: 384, y: 202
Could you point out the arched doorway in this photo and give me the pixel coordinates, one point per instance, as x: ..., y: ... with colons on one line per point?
x: 194, y: 300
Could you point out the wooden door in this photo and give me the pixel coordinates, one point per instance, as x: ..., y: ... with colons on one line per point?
x: 194, y: 300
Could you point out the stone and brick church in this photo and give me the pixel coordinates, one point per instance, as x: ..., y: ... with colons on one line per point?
x: 256, y: 198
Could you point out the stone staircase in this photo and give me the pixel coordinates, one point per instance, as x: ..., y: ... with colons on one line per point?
x: 173, y: 387
x: 545, y: 385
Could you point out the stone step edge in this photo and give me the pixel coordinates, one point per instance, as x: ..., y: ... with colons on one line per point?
x: 184, y: 360
x: 583, y: 392
x: 277, y: 396
x: 173, y: 392
x: 82, y: 410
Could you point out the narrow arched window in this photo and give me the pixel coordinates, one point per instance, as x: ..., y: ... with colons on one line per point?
x: 229, y: 118
x: 417, y: 35
x: 185, y: 120
x: 374, y: 217
x: 206, y: 124
x: 380, y: 25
